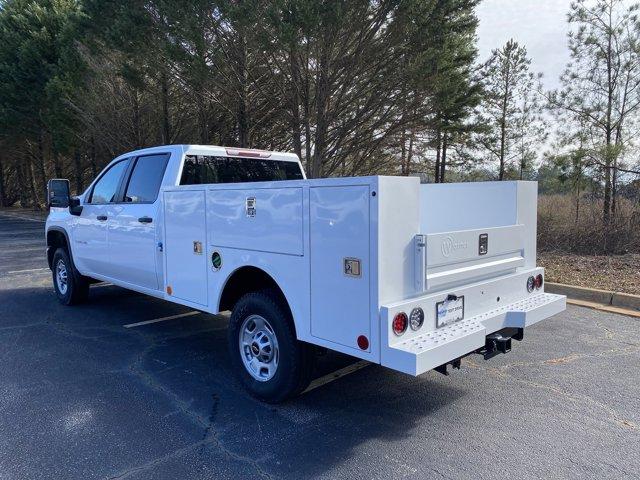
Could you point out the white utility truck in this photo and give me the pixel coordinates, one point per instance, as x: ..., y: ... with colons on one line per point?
x: 413, y: 277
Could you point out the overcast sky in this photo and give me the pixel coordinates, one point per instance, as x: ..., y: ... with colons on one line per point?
x: 539, y: 25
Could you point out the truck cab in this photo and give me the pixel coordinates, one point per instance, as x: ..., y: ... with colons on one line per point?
x: 115, y: 233
x: 410, y: 276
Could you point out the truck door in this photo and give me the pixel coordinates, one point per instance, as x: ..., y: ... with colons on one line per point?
x: 89, y: 247
x: 133, y: 243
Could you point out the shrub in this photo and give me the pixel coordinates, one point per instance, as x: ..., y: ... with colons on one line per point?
x: 562, y: 228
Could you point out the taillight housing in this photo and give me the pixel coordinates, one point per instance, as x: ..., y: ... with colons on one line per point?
x: 400, y: 323
x: 531, y: 284
x: 416, y: 319
x: 539, y: 281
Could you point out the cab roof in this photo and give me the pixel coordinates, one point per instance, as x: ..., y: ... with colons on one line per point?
x: 215, y: 150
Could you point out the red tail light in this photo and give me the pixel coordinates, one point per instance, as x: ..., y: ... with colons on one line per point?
x: 539, y: 281
x: 400, y: 322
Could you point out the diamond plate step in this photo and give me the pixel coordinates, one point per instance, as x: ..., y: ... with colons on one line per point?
x: 431, y: 349
x: 431, y: 340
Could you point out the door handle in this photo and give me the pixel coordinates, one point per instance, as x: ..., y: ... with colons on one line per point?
x: 145, y: 219
x: 102, y: 218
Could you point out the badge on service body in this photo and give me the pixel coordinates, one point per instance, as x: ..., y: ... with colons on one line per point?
x: 251, y: 206
x: 352, y: 267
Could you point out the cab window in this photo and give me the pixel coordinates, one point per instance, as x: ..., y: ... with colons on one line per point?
x: 211, y: 169
x: 106, y: 188
x: 146, y: 179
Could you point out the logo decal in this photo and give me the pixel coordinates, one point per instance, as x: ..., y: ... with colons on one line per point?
x: 449, y: 245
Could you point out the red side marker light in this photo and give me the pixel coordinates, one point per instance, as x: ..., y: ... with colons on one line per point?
x: 363, y: 342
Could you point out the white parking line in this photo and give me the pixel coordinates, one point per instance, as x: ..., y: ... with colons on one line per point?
x: 163, y: 319
x: 28, y: 270
x: 343, y: 372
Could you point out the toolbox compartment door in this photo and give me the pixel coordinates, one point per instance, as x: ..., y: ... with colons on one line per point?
x: 185, y: 246
x: 340, y: 263
x: 258, y: 219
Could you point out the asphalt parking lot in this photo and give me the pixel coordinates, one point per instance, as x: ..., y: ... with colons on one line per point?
x: 83, y: 397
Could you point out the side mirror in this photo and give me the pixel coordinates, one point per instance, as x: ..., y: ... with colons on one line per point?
x: 58, y: 193
x: 74, y: 206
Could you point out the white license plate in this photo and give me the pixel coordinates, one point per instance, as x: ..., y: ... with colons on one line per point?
x: 449, y: 311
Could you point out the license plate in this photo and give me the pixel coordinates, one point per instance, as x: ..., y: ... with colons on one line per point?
x: 449, y: 311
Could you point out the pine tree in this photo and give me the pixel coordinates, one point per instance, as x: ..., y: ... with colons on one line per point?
x: 601, y: 85
x: 450, y: 35
x: 510, y: 109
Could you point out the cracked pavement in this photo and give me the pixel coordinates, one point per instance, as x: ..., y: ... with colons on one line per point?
x: 82, y: 397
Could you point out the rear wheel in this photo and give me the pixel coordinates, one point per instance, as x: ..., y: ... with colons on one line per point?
x: 71, y: 288
x: 272, y: 364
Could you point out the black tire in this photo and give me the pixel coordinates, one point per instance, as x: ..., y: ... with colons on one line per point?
x: 76, y: 288
x: 295, y: 359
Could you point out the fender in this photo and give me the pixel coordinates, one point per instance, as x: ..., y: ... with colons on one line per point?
x: 51, y: 249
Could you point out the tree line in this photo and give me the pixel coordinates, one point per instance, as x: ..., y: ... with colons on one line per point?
x: 352, y: 87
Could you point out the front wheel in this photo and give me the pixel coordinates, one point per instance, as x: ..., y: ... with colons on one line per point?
x: 272, y: 364
x: 71, y: 288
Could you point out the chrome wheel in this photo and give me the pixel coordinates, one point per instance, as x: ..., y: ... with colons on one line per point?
x: 62, y: 280
x: 259, y: 348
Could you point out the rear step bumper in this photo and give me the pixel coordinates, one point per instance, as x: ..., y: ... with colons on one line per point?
x: 425, y: 352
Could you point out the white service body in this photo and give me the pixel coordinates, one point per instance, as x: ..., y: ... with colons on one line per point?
x: 347, y: 253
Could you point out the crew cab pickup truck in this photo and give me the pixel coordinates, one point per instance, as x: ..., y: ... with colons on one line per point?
x: 413, y: 277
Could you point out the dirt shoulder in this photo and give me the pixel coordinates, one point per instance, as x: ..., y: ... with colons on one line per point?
x: 620, y: 273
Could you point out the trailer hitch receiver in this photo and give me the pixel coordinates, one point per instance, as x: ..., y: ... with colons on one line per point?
x: 500, y: 342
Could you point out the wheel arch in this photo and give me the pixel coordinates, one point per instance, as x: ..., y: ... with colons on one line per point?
x: 57, y: 238
x: 246, y: 279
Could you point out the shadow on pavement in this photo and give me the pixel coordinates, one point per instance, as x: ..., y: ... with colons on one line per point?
x: 165, y: 389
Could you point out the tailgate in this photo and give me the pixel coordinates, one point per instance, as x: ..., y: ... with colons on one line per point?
x: 473, y: 231
x: 449, y: 258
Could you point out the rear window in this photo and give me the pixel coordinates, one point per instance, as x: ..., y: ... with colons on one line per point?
x: 209, y: 169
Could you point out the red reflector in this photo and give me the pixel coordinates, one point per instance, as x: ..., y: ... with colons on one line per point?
x: 539, y: 281
x: 400, y: 322
x: 247, y: 153
x: 363, y: 342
